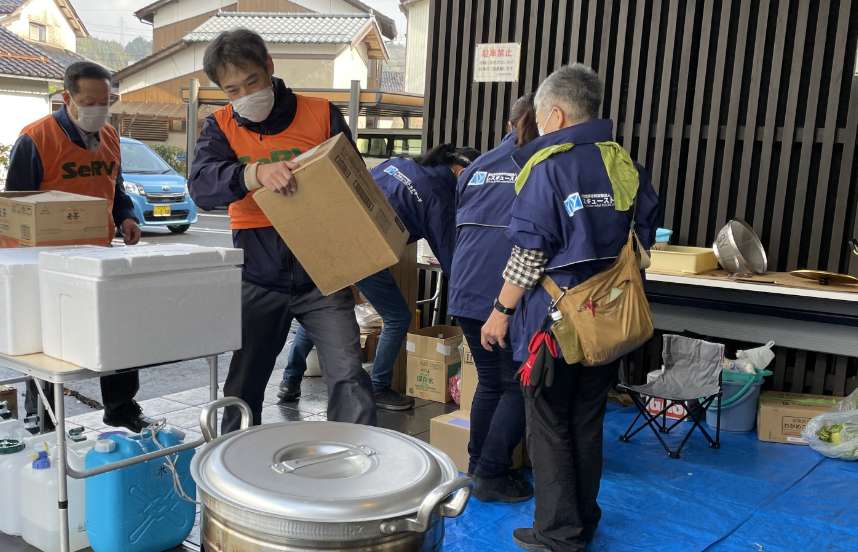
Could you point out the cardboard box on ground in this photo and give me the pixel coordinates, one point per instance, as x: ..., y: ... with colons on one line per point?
x: 338, y: 223
x: 783, y: 416
x: 30, y: 219
x: 433, y: 358
x: 452, y: 432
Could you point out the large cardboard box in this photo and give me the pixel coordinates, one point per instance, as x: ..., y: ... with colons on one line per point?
x: 782, y: 416
x: 338, y: 223
x: 433, y: 358
x: 467, y: 378
x: 451, y: 433
x: 30, y: 219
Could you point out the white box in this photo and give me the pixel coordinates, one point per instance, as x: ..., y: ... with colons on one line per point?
x: 129, y: 307
x: 20, y: 316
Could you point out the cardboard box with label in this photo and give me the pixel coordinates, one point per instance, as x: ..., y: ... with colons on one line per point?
x: 338, y: 223
x: 782, y: 416
x: 29, y: 219
x: 467, y: 378
x: 451, y: 433
x: 433, y: 358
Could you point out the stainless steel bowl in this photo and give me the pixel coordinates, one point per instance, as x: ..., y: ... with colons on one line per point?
x: 739, y: 249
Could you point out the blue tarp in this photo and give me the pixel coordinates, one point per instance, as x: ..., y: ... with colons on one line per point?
x: 748, y: 495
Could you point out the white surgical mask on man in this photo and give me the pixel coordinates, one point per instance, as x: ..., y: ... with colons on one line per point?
x: 255, y: 107
x: 91, y: 118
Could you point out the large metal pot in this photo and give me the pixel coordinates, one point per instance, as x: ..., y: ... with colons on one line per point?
x: 301, y: 486
x: 739, y: 249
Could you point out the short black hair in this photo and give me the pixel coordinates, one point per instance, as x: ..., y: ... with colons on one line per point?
x: 239, y: 47
x: 447, y: 154
x: 84, y: 70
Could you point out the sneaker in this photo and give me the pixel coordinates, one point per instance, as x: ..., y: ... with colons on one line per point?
x: 289, y: 392
x: 130, y: 417
x: 505, y: 488
x: 526, y: 540
x: 388, y: 399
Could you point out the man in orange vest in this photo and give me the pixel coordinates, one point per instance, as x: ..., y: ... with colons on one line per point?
x: 246, y: 146
x: 75, y: 150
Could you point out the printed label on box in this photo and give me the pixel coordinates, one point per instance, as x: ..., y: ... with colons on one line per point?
x: 443, y: 349
x: 410, y: 346
x: 793, y: 425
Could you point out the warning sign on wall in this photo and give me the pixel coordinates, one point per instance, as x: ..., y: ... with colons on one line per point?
x: 497, y: 62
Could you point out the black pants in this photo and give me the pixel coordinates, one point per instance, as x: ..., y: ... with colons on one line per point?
x: 497, y: 413
x: 330, y: 323
x: 564, y: 439
x: 117, y: 394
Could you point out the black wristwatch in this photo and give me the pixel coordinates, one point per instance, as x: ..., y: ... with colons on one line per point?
x: 502, y: 309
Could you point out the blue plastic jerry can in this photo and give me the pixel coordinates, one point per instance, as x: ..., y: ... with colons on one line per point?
x: 137, y: 508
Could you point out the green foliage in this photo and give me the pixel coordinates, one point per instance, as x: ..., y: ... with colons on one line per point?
x: 4, y: 156
x: 138, y: 48
x: 111, y: 53
x: 173, y: 155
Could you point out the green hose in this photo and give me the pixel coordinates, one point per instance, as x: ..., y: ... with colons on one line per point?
x: 748, y: 380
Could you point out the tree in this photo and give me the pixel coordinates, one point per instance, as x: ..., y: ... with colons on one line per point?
x: 173, y: 155
x: 109, y: 53
x: 138, y: 48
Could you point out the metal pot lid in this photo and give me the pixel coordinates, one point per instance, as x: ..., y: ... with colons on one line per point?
x: 321, y: 471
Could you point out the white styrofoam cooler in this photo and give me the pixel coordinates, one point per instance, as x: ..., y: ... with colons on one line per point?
x: 128, y: 307
x: 20, y: 316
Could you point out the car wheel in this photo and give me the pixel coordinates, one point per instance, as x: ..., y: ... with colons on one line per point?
x: 178, y: 228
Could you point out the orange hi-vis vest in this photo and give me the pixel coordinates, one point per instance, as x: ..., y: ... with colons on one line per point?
x: 70, y: 168
x: 310, y: 127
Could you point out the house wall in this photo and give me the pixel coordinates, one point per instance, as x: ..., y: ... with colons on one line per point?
x: 305, y: 73
x: 415, y: 48
x: 351, y: 64
x: 59, y: 32
x: 328, y: 6
x: 186, y: 9
x: 23, y: 102
x: 168, y: 35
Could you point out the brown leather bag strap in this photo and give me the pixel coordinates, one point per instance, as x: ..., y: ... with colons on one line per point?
x: 551, y: 287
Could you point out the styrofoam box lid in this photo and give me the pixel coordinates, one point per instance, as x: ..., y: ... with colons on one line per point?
x: 142, y: 259
x: 28, y: 256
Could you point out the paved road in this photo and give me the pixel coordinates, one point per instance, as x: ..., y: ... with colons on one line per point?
x: 212, y: 230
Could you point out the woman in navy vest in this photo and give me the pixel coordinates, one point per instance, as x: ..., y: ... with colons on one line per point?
x: 422, y: 192
x: 485, y: 194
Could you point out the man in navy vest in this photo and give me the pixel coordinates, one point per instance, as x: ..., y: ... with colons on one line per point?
x: 578, y: 191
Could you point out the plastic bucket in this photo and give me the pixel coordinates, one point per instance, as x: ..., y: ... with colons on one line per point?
x: 739, y: 404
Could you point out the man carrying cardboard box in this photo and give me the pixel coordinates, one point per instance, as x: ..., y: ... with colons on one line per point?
x: 422, y: 191
x: 244, y: 147
x: 75, y: 150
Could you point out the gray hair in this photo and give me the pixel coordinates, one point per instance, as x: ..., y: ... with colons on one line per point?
x: 576, y: 89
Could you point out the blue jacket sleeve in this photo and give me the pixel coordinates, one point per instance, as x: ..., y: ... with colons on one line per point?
x: 648, y: 214
x: 217, y: 177
x: 123, y: 208
x: 441, y: 232
x: 25, y: 166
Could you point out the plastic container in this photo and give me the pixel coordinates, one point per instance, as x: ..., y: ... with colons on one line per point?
x: 123, y: 307
x: 136, y: 509
x: 662, y: 235
x: 13, y: 458
x: 740, y: 399
x: 680, y: 259
x: 40, y: 524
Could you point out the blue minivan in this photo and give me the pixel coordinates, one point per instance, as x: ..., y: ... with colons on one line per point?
x: 160, y: 194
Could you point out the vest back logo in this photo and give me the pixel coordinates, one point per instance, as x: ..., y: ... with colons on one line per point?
x: 478, y: 178
x: 274, y: 157
x: 94, y: 168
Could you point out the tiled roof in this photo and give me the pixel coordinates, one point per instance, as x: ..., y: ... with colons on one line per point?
x: 62, y: 57
x: 20, y: 58
x: 296, y: 28
x: 392, y: 81
x: 9, y: 6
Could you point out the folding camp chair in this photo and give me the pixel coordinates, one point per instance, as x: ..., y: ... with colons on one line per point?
x: 692, y: 379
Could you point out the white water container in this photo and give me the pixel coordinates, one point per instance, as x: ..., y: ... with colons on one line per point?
x: 11, y: 464
x: 128, y: 307
x: 40, y: 522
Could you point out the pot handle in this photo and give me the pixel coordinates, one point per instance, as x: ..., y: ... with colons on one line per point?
x: 451, y: 508
x: 208, y: 417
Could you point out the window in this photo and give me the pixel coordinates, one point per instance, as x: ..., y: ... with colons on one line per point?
x: 38, y: 32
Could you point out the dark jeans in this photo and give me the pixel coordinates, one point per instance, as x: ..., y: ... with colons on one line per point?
x: 330, y: 322
x: 497, y: 413
x: 383, y: 294
x: 564, y: 439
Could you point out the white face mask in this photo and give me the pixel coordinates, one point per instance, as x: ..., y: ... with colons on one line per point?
x: 255, y: 107
x: 91, y: 118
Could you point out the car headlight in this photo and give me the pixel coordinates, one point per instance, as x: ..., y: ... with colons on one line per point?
x: 134, y: 188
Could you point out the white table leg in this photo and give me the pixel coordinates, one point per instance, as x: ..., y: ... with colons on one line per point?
x: 213, y: 366
x: 62, y: 482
